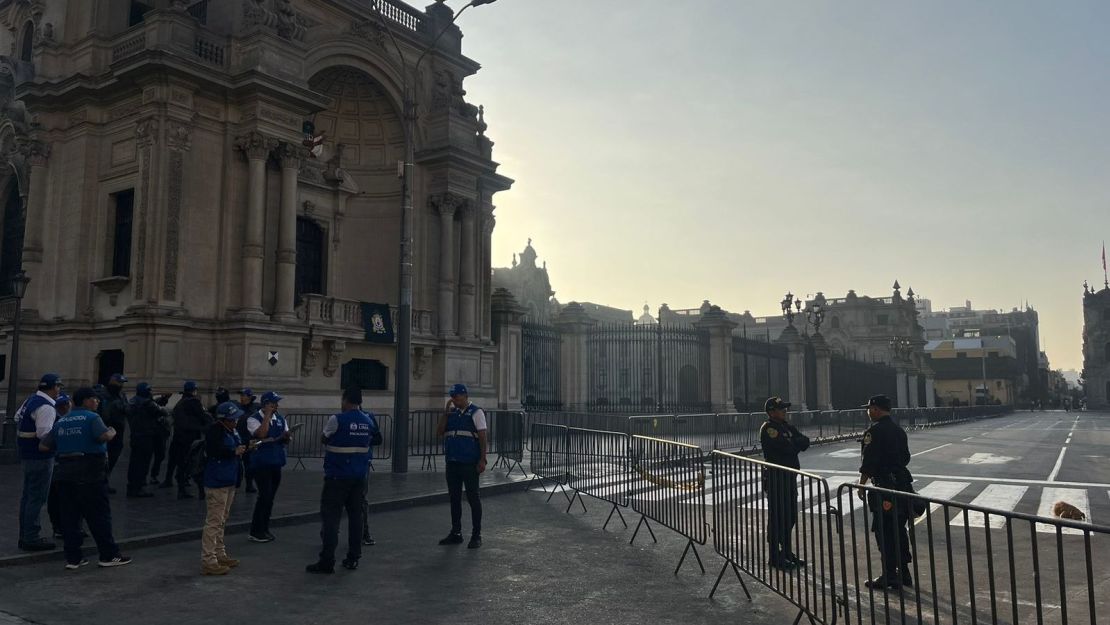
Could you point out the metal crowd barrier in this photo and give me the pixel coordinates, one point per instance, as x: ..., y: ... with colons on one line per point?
x: 597, y: 465
x: 308, y: 441
x: 423, y: 439
x: 506, y: 438
x: 763, y: 513
x: 668, y: 487
x: 966, y: 563
x: 548, y: 456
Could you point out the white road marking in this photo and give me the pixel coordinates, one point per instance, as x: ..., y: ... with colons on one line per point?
x: 1075, y: 496
x: 844, y: 453
x: 1063, y: 450
x: 932, y: 449
x: 967, y: 439
x: 999, y: 496
x: 940, y: 490
x: 986, y: 458
x: 835, y: 482
x: 973, y: 478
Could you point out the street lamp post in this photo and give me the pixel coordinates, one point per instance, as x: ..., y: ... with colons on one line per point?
x: 402, y: 372
x: 19, y: 289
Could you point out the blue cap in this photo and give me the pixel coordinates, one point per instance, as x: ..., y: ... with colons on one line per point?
x: 270, y: 397
x: 228, y: 410
x: 248, y: 392
x: 62, y: 399
x: 118, y: 377
x: 142, y: 388
x: 50, y: 380
x: 458, y: 389
x: 190, y: 386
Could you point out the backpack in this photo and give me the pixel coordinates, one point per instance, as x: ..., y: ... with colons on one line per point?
x: 196, y: 458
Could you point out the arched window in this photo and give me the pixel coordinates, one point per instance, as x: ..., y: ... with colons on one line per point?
x: 11, y: 243
x: 310, y: 258
x: 835, y: 323
x: 27, y: 47
x: 368, y: 375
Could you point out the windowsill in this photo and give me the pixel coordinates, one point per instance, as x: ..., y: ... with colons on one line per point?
x: 113, y: 286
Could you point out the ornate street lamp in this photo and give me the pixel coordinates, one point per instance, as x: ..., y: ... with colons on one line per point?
x: 787, y: 312
x: 901, y: 347
x: 19, y: 289
x: 815, y: 313
x: 403, y: 368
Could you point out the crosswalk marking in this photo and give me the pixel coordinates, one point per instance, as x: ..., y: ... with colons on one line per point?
x: 1075, y: 496
x: 835, y: 482
x: 940, y: 490
x: 999, y: 496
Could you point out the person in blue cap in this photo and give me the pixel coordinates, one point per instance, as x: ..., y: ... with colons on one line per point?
x: 270, y: 434
x: 223, y: 449
x: 347, y: 440
x: 248, y: 407
x: 463, y: 428
x: 114, y: 409
x: 190, y: 420
x: 79, y: 438
x: 147, y: 419
x: 34, y: 420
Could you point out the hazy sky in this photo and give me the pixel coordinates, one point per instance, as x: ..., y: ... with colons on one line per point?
x: 669, y: 151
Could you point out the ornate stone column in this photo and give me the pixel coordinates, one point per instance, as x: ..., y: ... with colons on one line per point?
x: 507, y: 318
x: 903, y: 399
x: 146, y: 137
x: 256, y: 148
x: 930, y: 393
x: 795, y: 366
x: 179, y: 142
x: 34, y: 202
x: 446, y: 204
x: 467, y: 277
x: 914, y: 395
x: 719, y: 327
x: 485, y: 319
x: 824, y: 372
x: 574, y: 379
x: 285, y: 283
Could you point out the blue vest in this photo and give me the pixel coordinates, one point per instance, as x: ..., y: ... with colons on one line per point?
x: 73, y: 434
x: 270, y: 454
x: 460, y: 441
x: 347, y: 452
x: 219, y: 473
x: 28, y: 438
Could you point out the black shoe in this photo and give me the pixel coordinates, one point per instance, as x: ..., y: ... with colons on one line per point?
x: 60, y: 536
x: 882, y: 582
x: 369, y: 541
x: 42, y: 545
x: 452, y: 539
x: 475, y: 542
x: 140, y: 494
x: 154, y: 481
x: 184, y: 494
x: 166, y: 484
x: 782, y: 564
x: 119, y: 560
x: 271, y: 536
x: 350, y: 565
x: 261, y: 538
x: 320, y: 567
x: 907, y: 579
x: 795, y: 560
x: 251, y: 490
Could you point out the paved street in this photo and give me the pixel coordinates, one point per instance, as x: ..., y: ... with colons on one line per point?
x: 538, y: 565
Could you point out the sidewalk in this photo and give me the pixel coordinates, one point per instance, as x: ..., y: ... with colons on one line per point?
x: 164, y: 518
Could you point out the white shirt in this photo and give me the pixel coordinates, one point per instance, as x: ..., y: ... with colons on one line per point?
x: 255, y: 422
x: 45, y: 416
x: 331, y: 427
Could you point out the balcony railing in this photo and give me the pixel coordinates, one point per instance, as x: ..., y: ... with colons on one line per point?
x: 400, y: 13
x: 346, y: 315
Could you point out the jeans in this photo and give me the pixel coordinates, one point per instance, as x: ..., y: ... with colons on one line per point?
x: 268, y: 479
x: 89, y: 501
x: 458, y: 475
x: 212, y: 548
x: 339, y: 495
x: 142, y: 449
x: 36, y: 489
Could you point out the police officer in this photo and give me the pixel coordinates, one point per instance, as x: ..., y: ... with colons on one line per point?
x: 248, y: 407
x: 79, y: 438
x: 886, y: 454
x: 147, y: 419
x: 347, y: 437
x: 781, y: 444
x: 463, y: 428
x: 114, y: 409
x: 190, y: 420
x: 35, y: 419
x: 270, y: 433
x: 223, y: 449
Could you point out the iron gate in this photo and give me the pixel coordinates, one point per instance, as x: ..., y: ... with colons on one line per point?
x: 854, y: 381
x: 759, y: 371
x: 662, y: 368
x: 541, y: 349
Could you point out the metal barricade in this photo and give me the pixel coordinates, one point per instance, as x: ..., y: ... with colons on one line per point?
x: 739, y: 431
x: 424, y: 441
x: 597, y: 465
x: 308, y: 441
x: 668, y: 487
x: 775, y: 524
x: 505, y: 438
x: 548, y: 456
x: 963, y: 563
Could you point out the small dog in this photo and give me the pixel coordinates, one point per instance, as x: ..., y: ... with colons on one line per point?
x: 1064, y: 510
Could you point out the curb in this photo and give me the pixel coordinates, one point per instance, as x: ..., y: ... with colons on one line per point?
x: 241, y: 527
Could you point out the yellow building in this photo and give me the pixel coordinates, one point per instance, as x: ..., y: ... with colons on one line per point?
x: 974, y: 370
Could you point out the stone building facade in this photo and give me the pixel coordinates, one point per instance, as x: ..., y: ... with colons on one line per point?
x: 529, y: 284
x: 1096, y: 347
x: 210, y: 190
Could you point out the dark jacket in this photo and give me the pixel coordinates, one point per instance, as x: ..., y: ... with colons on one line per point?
x: 248, y: 412
x: 214, y: 446
x: 189, y: 416
x: 781, y: 443
x: 146, y: 417
x: 114, y: 408
x: 886, y: 455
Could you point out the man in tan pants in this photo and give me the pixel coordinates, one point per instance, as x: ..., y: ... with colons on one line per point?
x: 221, y: 471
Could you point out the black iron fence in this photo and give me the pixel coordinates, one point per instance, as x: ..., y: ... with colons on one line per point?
x: 853, y: 381
x: 548, y: 456
x: 759, y: 371
x: 541, y: 351
x: 647, y: 368
x: 938, y: 561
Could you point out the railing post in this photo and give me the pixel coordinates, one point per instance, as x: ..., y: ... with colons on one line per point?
x: 719, y: 327
x: 796, y: 366
x: 574, y: 377
x: 507, y: 317
x: 823, y: 355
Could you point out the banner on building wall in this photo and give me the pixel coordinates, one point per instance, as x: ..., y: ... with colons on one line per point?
x: 378, y: 322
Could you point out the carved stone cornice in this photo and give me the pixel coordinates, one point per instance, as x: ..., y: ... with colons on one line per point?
x: 448, y: 203
x: 146, y: 132
x: 334, y: 357
x: 38, y: 152
x: 179, y: 136
x: 254, y: 145
x: 291, y: 156
x: 282, y: 18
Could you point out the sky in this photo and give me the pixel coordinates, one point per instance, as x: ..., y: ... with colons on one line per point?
x: 673, y: 152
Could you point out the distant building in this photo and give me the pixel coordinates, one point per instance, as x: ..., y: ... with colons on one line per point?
x: 530, y: 285
x: 607, y: 314
x: 646, y: 319
x: 1096, y: 347
x: 974, y: 370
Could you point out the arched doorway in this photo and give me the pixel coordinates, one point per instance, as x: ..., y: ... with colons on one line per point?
x: 310, y: 258
x: 362, y: 129
x: 108, y: 362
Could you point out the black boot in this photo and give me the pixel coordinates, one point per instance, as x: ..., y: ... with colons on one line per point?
x: 320, y: 567
x: 907, y: 578
x: 454, y: 538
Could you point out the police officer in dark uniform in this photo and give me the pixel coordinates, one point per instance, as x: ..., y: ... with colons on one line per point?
x: 781, y: 444
x: 80, y: 440
x: 463, y: 428
x: 146, y: 419
x: 248, y: 407
x: 114, y: 408
x: 190, y: 421
x: 886, y: 455
x: 347, y: 437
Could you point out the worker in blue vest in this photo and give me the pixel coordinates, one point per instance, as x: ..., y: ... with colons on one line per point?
x: 34, y: 419
x: 80, y: 439
x: 347, y: 441
x: 223, y: 449
x: 270, y: 435
x: 463, y: 428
